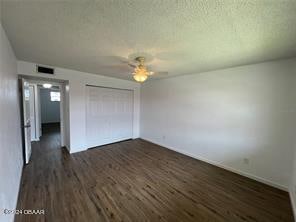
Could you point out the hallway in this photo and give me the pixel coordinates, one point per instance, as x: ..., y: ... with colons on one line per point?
x: 49, y: 143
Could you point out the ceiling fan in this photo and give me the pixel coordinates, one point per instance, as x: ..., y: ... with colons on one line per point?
x: 141, y: 72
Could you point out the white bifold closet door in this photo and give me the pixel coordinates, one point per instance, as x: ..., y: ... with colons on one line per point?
x: 109, y: 115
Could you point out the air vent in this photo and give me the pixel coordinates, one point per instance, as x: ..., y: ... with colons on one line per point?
x: 45, y: 70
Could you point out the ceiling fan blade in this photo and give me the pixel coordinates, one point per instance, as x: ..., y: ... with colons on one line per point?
x: 131, y: 65
x: 121, y: 68
x: 160, y: 74
x: 150, y: 73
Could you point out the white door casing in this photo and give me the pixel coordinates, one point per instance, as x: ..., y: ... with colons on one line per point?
x: 26, y: 123
x: 33, y: 113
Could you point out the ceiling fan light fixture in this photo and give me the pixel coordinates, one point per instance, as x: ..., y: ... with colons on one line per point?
x: 140, y: 73
x: 140, y: 77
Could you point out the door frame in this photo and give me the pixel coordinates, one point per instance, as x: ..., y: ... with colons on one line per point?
x: 64, y: 124
x: 24, y: 133
x: 36, y: 112
x: 61, y: 87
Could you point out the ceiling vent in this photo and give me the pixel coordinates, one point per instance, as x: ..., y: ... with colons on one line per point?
x: 45, y: 70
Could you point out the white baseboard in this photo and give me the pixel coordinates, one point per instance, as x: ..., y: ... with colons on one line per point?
x: 71, y: 151
x: 221, y: 165
x: 292, y: 198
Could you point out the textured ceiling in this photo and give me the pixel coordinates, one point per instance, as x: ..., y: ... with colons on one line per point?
x: 186, y: 36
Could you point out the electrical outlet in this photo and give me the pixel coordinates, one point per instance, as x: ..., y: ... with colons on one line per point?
x: 246, y: 161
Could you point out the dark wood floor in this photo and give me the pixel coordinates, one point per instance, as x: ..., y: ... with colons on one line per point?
x: 139, y: 181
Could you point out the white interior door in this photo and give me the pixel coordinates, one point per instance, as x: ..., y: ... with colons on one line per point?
x: 27, y: 123
x: 109, y: 115
x: 32, y: 113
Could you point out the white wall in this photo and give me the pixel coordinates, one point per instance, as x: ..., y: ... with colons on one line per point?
x: 50, y: 110
x: 77, y: 107
x: 227, y: 115
x: 11, y: 159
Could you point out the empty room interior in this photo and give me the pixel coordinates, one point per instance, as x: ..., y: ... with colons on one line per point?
x: 148, y: 110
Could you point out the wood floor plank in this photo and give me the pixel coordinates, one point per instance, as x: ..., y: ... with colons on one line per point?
x: 139, y: 181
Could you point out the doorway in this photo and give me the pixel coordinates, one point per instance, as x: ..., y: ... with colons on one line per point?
x: 43, y: 114
x: 50, y: 117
